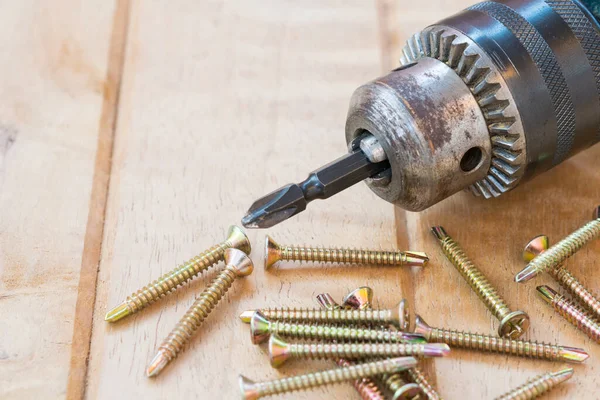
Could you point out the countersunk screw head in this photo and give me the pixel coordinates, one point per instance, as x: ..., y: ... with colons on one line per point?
x: 238, y: 239
x: 279, y: 351
x: 359, y: 299
x: 514, y: 325
x: 272, y: 252
x: 259, y: 328
x: 422, y: 327
x: 240, y: 261
x: 248, y: 388
x: 597, y: 213
x: 409, y: 391
x: 403, y: 316
x: 535, y: 247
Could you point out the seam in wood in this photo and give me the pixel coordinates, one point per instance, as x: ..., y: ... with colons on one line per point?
x: 92, y: 248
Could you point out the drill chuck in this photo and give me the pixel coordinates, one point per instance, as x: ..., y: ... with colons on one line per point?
x: 484, y: 100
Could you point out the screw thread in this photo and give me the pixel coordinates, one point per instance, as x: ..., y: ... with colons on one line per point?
x: 494, y: 344
x: 577, y: 317
x: 365, y: 387
x: 197, y: 313
x: 303, y: 382
x: 564, y: 249
x: 355, y: 350
x: 331, y: 332
x: 366, y: 316
x: 394, y: 382
x: 577, y: 289
x: 475, y: 278
x: 178, y: 276
x: 418, y: 377
x: 534, y: 388
x: 344, y: 256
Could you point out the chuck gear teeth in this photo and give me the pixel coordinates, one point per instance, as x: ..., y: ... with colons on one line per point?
x: 508, y: 144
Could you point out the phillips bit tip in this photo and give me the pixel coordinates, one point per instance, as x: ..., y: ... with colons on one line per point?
x: 322, y: 183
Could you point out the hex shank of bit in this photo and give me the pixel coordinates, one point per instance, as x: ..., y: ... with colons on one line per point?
x: 418, y: 377
x: 562, y: 250
x: 367, y: 316
x: 571, y: 312
x: 537, y: 386
x: 255, y: 390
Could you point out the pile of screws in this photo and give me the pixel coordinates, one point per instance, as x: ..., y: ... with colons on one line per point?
x: 380, y: 340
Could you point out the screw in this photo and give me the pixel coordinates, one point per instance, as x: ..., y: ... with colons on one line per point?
x: 571, y: 312
x: 537, y: 386
x: 562, y: 250
x: 254, y: 390
x: 418, y: 377
x: 522, y: 348
x: 401, y: 389
x: 562, y: 275
x: 314, y: 315
x: 238, y: 264
x: 366, y: 387
x: 280, y: 350
x: 513, y: 324
x: 147, y: 295
x: 261, y: 328
x: 358, y: 299
x: 275, y: 253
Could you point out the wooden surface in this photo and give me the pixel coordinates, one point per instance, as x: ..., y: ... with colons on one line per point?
x: 130, y: 147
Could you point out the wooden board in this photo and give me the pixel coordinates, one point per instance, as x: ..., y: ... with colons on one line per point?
x: 53, y: 88
x: 211, y: 104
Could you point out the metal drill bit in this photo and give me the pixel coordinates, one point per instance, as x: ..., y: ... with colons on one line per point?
x: 493, y: 344
x: 262, y: 328
x: 359, y: 164
x: 254, y: 390
x: 280, y: 350
x: 562, y: 250
x: 571, y: 312
x: 538, y: 386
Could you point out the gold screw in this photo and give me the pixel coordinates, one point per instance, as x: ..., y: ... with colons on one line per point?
x: 493, y: 344
x: 562, y: 250
x: 401, y: 389
x: 280, y: 351
x: 275, y: 253
x: 254, y: 390
x: 538, y: 386
x: 396, y: 316
x: 238, y: 264
x: 571, y: 312
x: 513, y: 324
x: 261, y: 328
x: 418, y: 377
x: 562, y: 275
x: 359, y: 298
x: 147, y: 295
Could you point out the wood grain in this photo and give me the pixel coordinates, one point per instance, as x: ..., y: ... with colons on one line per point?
x: 52, y: 85
x: 250, y: 98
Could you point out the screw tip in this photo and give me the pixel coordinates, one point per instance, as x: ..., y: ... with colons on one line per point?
x: 158, y: 363
x: 416, y: 259
x: 439, y: 232
x: 526, y: 275
x: 117, y: 313
x: 436, y: 350
x: 573, y: 355
x: 547, y: 293
x: 563, y: 375
x: 403, y: 363
x: 246, y: 316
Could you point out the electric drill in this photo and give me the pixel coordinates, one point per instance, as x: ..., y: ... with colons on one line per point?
x: 483, y: 100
